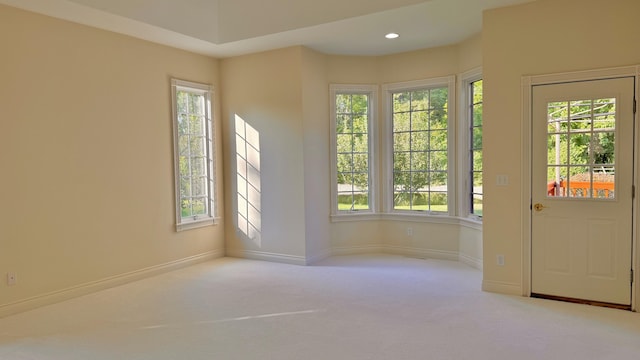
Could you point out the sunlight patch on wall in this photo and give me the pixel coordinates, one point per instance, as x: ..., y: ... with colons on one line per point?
x: 248, y: 180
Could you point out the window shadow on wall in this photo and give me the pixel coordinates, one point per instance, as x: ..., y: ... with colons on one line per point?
x: 248, y: 191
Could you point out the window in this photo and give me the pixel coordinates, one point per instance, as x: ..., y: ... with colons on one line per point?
x: 419, y: 145
x: 475, y: 147
x: 352, y: 144
x: 193, y: 154
x: 581, y: 138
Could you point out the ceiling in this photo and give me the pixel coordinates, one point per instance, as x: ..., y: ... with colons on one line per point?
x: 224, y: 28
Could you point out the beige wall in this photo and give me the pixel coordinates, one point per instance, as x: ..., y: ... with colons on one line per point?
x: 546, y: 36
x: 265, y: 89
x: 416, y: 65
x: 86, y: 156
x: 315, y: 100
x: 470, y: 53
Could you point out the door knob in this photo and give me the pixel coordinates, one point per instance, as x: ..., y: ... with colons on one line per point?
x: 538, y: 207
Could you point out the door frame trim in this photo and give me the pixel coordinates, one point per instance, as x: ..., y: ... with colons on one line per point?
x: 527, y: 84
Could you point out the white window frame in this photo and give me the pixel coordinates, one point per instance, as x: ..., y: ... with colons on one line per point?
x: 388, y: 90
x: 209, y: 218
x: 372, y: 92
x: 464, y: 205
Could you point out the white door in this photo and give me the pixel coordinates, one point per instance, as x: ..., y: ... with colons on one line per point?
x: 582, y: 178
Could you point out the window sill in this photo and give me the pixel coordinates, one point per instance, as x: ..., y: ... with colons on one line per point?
x: 197, y: 224
x: 471, y: 223
x: 355, y: 216
x: 423, y: 218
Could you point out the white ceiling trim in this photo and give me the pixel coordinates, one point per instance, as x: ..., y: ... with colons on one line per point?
x: 424, y: 25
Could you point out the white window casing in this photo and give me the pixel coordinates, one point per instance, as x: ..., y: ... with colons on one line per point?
x: 370, y: 91
x: 194, y: 154
x: 464, y: 135
x: 388, y: 91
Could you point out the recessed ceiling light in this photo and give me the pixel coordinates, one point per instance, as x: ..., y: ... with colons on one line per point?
x: 391, y: 36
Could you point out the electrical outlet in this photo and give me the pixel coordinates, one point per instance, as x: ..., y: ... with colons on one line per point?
x: 12, y: 278
x: 409, y: 231
x: 500, y: 260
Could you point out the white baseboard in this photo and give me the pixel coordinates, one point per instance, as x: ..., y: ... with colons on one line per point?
x: 471, y: 261
x: 311, y: 259
x: 267, y: 256
x: 102, y: 284
x: 356, y: 250
x: 502, y: 287
x: 421, y: 253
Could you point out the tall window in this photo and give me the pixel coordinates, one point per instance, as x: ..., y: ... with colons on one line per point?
x: 475, y: 147
x: 352, y: 137
x: 193, y: 154
x: 420, y: 146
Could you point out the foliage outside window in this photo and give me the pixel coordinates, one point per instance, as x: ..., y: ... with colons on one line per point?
x: 420, y: 146
x: 352, y: 118
x: 581, y: 148
x: 193, y: 152
x: 475, y: 147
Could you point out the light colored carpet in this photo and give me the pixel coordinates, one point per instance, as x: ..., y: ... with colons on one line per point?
x: 346, y: 307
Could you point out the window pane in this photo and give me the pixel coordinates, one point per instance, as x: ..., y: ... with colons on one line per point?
x: 420, y: 121
x: 343, y: 124
x: 199, y: 206
x: 438, y: 119
x: 197, y: 145
x: 186, y: 208
x: 420, y: 160
x: 477, y: 115
x: 420, y: 201
x: 199, y: 186
x: 419, y: 140
x: 345, y: 162
x: 401, y: 102
x: 477, y: 160
x: 604, y: 150
x: 438, y: 202
x: 439, y: 98
x: 438, y: 140
x: 198, y: 166
x: 359, y: 103
x: 438, y: 161
x: 183, y: 124
x: 580, y: 148
x: 477, y: 183
x: 401, y: 161
x: 344, y: 143
x: 196, y: 105
x: 361, y: 143
x: 196, y: 124
x: 361, y: 162
x: 477, y: 205
x: 579, y: 182
x: 402, y: 141
x: 477, y: 138
x: 420, y: 100
x: 360, y: 124
x: 401, y: 122
x: 343, y: 103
